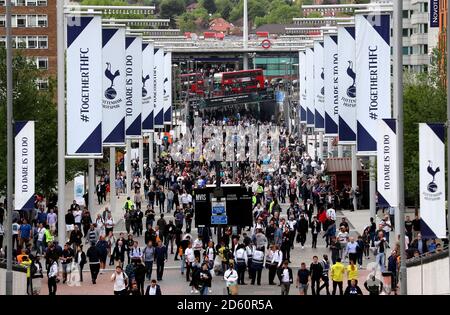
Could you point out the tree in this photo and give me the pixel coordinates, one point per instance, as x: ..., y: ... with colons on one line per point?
x: 30, y: 103
x: 224, y: 7
x: 210, y: 6
x: 424, y: 101
x: 170, y: 9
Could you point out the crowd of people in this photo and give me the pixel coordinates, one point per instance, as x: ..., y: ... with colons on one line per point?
x: 291, y: 207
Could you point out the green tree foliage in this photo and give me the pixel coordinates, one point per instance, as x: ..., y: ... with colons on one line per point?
x: 424, y: 101
x: 280, y: 13
x: 32, y: 104
x: 224, y: 7
x: 170, y: 9
x: 210, y: 6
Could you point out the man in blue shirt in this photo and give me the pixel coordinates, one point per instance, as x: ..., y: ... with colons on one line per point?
x: 25, y: 233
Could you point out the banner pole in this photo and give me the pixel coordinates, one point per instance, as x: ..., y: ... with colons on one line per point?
x: 398, y: 111
x: 354, y: 175
x: 340, y: 151
x: 141, y: 160
x: 128, y: 167
x: 372, y: 187
x: 10, y: 149
x: 91, y: 185
x: 448, y: 129
x: 112, y: 178
x: 61, y: 124
x: 150, y: 151
x: 321, y: 145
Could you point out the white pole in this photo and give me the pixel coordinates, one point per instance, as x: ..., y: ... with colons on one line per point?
x: 372, y: 186
x: 10, y: 150
x: 321, y: 145
x: 330, y: 147
x: 340, y: 151
x: 398, y: 112
x: 91, y: 185
x: 61, y: 123
x: 245, y: 61
x: 141, y: 158
x: 112, y: 178
x: 150, y: 151
x: 128, y: 167
x: 354, y: 173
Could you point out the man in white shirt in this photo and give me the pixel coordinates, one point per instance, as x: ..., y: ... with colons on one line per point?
x: 352, y: 250
x: 77, y: 216
x: 135, y: 251
x: 231, y: 278
x: 120, y: 281
x: 52, y: 275
x: 241, y: 262
x: 153, y: 289
x: 41, y: 246
x: 52, y: 219
x: 286, y: 278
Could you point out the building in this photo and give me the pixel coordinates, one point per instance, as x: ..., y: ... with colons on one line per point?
x: 219, y: 25
x: 443, y: 7
x: 34, y: 33
x: 419, y: 40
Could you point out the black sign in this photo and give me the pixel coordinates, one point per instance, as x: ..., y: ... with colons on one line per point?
x: 236, y: 99
x: 238, y: 206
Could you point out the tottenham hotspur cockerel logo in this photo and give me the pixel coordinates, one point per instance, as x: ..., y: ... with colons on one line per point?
x: 110, y: 92
x: 432, y: 187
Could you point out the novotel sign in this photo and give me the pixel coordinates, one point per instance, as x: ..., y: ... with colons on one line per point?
x: 434, y: 13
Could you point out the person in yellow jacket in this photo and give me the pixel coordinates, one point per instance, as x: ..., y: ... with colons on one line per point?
x: 352, y: 272
x: 26, y: 262
x: 48, y: 237
x: 337, y: 275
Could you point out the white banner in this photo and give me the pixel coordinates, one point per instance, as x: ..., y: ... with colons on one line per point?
x: 24, y: 165
x: 432, y: 180
x: 84, y: 86
x: 331, y: 72
x: 158, y: 85
x: 114, y: 97
x: 78, y: 190
x: 319, y: 88
x: 310, y: 87
x: 147, y: 87
x: 133, y: 81
x: 347, y: 85
x: 387, y: 164
x: 373, y: 78
x: 168, y: 88
x: 302, y: 81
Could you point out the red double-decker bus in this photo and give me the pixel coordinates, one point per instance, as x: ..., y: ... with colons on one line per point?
x: 193, y: 83
x: 238, y: 82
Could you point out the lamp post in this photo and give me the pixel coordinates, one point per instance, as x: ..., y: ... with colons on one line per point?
x: 10, y: 148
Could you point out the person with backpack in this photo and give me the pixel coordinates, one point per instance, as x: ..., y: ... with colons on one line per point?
x: 120, y: 281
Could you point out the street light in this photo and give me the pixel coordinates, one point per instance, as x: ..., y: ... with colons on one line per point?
x: 9, y: 149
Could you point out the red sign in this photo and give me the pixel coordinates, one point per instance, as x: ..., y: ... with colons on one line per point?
x: 266, y: 44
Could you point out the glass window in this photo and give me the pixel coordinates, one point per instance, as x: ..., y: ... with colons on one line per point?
x: 42, y: 63
x: 2, y: 21
x: 32, y: 42
x: 42, y: 20
x: 21, y: 42
x: 21, y: 20
x: 42, y: 42
x: 42, y: 84
x: 32, y: 20
x: 31, y: 3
